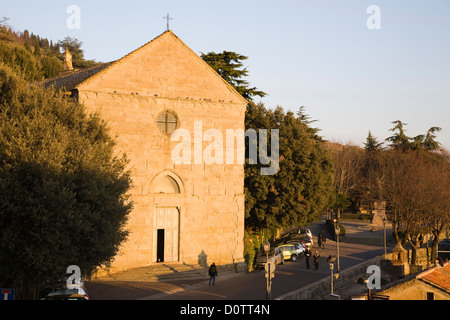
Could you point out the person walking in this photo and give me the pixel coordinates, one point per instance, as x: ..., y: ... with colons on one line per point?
x: 212, y: 273
x: 316, y: 259
x: 324, y: 239
x: 319, y: 240
x: 307, y: 255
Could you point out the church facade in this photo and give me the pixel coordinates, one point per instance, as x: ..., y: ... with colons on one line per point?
x: 189, y: 211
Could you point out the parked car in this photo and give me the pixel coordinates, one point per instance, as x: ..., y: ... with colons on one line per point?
x: 289, y: 251
x: 300, y: 247
x: 307, y: 241
x: 306, y: 231
x: 65, y: 293
x: 275, y: 255
x: 66, y: 297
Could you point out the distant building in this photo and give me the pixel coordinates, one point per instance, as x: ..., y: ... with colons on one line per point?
x: 432, y: 284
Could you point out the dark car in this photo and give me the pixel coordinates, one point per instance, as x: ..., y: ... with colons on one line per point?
x: 306, y: 240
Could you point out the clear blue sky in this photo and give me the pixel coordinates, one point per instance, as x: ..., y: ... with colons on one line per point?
x: 317, y: 54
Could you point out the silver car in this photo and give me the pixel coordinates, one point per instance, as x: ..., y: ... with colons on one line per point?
x: 275, y: 255
x: 300, y: 247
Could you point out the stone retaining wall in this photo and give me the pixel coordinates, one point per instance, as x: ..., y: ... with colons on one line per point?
x: 321, y: 288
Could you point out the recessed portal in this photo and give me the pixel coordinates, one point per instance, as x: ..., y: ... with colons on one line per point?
x: 166, y: 234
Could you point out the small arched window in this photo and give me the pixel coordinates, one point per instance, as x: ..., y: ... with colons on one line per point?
x: 167, y: 122
x: 167, y: 184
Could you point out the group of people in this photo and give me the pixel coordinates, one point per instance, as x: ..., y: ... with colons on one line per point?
x: 316, y: 257
x: 321, y: 239
x: 321, y: 242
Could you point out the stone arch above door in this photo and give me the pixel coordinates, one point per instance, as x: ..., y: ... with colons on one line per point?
x: 166, y: 182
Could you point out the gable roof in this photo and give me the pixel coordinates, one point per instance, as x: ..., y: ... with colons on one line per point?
x: 82, y: 78
x: 438, y: 276
x: 68, y: 80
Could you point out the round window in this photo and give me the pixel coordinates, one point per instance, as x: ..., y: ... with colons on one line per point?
x: 167, y: 122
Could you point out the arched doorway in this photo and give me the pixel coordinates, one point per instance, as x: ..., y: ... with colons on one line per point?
x: 167, y: 233
x: 166, y: 217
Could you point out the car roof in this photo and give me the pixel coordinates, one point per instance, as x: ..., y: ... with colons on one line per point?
x: 66, y: 297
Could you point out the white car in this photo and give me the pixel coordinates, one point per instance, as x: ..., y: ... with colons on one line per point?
x: 305, y: 231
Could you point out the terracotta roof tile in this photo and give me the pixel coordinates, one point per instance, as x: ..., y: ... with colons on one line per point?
x: 439, y: 276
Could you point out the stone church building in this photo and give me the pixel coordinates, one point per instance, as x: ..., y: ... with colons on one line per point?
x: 183, y: 212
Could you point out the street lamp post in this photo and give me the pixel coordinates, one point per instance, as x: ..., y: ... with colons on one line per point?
x: 384, y: 225
x: 331, y: 269
x: 267, y: 249
x: 331, y: 259
x: 337, y: 230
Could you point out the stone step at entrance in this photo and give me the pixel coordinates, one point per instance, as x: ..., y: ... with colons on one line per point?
x: 156, y: 272
x: 165, y: 272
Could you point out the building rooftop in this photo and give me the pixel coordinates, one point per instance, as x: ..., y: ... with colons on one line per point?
x: 438, y: 276
x: 68, y: 80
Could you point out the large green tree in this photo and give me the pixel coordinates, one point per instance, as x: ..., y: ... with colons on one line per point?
x: 372, y: 143
x: 229, y: 65
x: 21, y: 60
x: 400, y: 141
x: 303, y: 186
x: 63, y: 190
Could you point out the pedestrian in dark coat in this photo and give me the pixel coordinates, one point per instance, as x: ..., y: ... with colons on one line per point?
x: 316, y: 259
x: 319, y: 240
x: 324, y: 239
x: 307, y: 255
x: 212, y: 273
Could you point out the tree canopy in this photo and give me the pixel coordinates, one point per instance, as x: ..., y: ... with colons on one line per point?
x: 63, y: 191
x: 228, y: 65
x: 37, y: 57
x: 303, y: 186
x: 372, y: 143
x: 74, y: 47
x: 411, y: 176
x: 400, y: 141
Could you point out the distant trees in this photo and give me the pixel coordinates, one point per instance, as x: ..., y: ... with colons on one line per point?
x: 37, y: 58
x: 411, y: 175
x: 416, y: 189
x: 400, y: 141
x: 21, y: 60
x: 372, y: 143
x: 74, y: 46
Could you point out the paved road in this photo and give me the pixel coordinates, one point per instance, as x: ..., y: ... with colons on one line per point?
x: 240, y: 286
